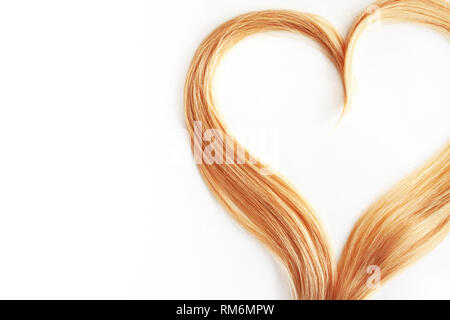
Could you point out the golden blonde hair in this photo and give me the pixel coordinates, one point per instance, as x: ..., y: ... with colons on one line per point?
x: 398, y: 228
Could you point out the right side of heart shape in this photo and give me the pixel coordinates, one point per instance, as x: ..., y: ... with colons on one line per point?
x: 413, y: 217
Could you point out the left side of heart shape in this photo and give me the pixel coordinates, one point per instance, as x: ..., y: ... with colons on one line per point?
x: 264, y: 203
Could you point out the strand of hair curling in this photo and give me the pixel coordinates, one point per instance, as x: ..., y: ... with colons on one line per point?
x: 413, y: 217
x: 266, y: 205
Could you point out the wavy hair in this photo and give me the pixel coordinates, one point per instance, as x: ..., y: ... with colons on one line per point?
x: 401, y: 226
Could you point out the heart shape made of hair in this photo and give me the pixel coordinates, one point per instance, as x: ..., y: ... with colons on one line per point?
x: 398, y: 228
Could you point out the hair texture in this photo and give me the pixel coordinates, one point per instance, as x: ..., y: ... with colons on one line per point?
x: 398, y: 228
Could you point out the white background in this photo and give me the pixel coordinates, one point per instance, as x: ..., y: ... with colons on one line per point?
x: 98, y: 198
